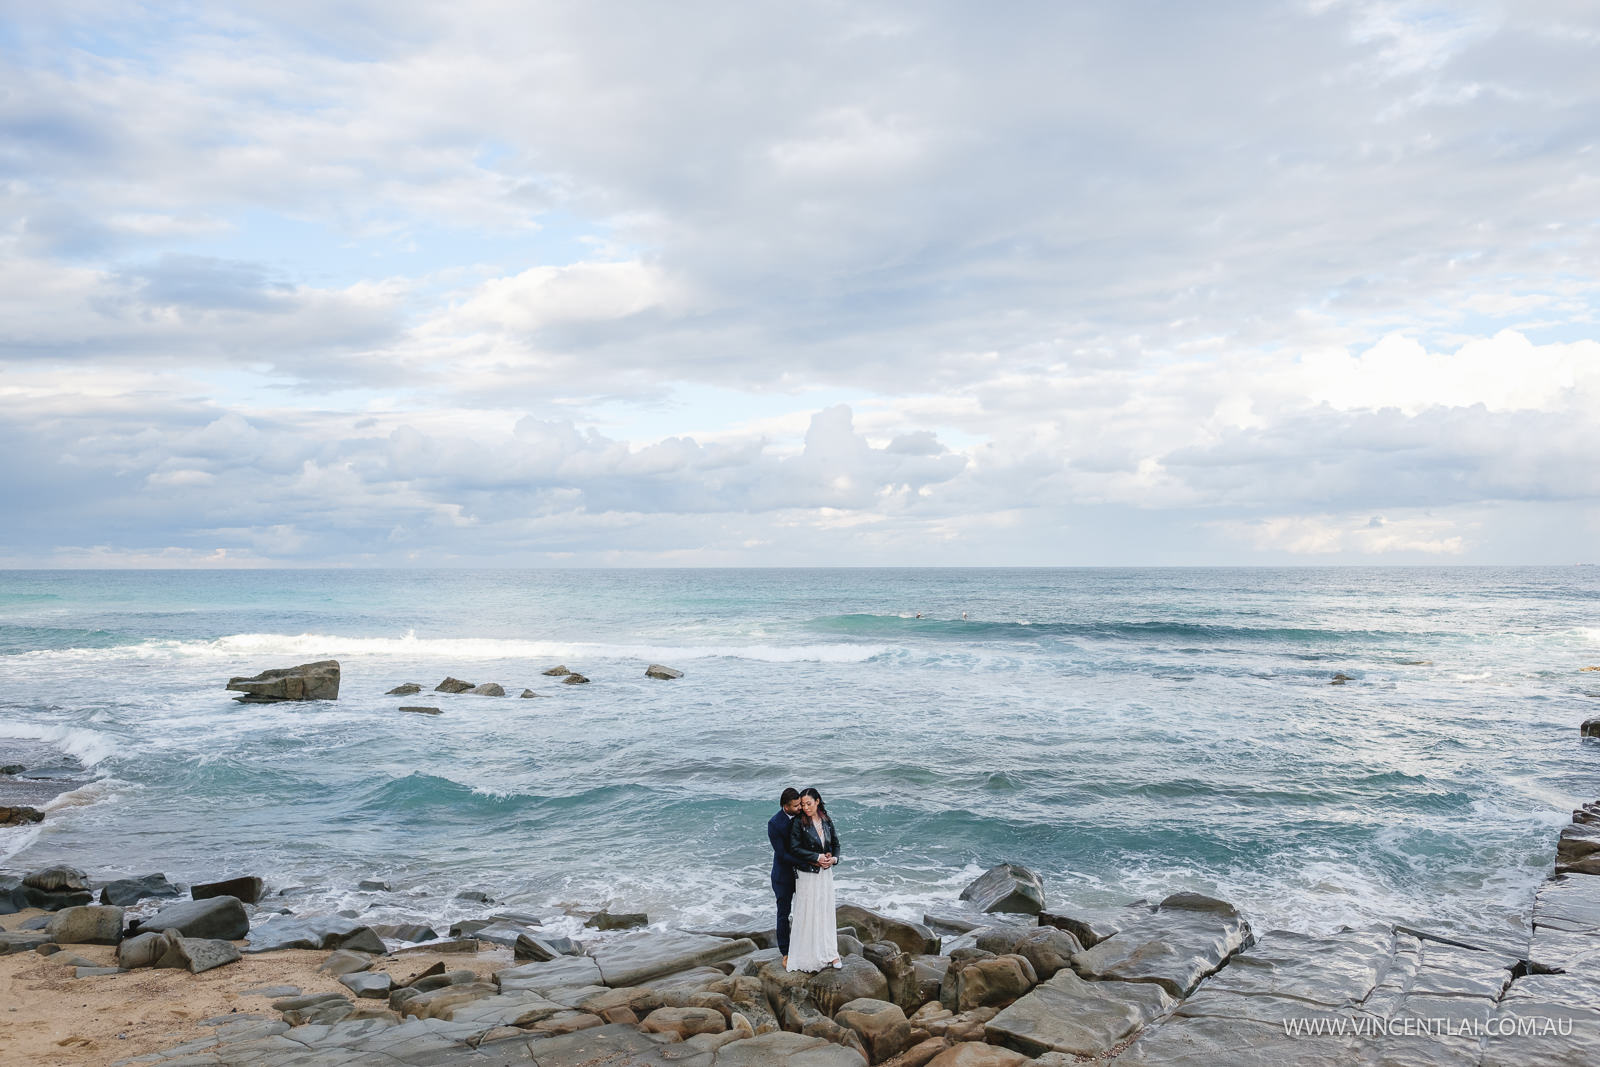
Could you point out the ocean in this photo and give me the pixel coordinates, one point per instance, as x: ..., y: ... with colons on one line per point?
x: 1125, y: 732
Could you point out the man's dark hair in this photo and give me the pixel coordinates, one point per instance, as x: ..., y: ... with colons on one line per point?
x: 789, y: 796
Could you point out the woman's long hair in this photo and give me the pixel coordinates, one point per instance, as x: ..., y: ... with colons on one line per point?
x: 822, y: 809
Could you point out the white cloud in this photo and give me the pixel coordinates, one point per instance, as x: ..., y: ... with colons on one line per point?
x: 1326, y: 535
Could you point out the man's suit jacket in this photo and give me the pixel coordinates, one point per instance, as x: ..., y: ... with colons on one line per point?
x: 783, y: 860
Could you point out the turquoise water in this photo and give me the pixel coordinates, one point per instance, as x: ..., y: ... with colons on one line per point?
x: 1127, y: 733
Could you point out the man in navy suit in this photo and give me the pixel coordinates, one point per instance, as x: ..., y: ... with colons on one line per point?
x: 783, y: 863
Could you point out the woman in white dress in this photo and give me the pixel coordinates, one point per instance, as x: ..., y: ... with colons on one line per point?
x: 814, y: 938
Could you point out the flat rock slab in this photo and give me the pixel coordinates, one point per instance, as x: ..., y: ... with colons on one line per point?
x: 223, y: 918
x: 1068, y: 1014
x: 329, y: 932
x: 1175, y: 946
x: 541, y: 977
x: 1527, y: 1026
x: 1339, y: 970
x: 636, y: 958
x: 1568, y: 902
x: 1210, y: 1041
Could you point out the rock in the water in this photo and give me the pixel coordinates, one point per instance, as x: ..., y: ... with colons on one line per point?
x: 247, y: 888
x: 223, y: 918
x: 404, y: 690
x: 882, y: 1027
x: 19, y: 815
x: 373, y: 885
x: 452, y: 685
x: 308, y: 681
x: 1590, y: 728
x: 12, y: 769
x: 57, y: 879
x: 1578, y: 850
x: 1188, y: 937
x: 418, y: 709
x: 1008, y: 887
x: 1068, y: 1014
x: 1340, y: 678
x: 666, y: 674
x: 557, y: 672
x: 618, y: 920
x: 870, y: 926
x: 474, y: 896
x: 574, y: 678
x: 125, y: 891
x: 195, y: 954
x: 487, y: 689
x: 528, y: 694
x: 91, y: 924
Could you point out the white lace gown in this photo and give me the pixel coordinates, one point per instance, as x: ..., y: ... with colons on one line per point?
x: 814, y: 936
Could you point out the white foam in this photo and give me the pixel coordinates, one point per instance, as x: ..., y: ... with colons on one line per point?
x: 86, y: 746
x: 313, y: 646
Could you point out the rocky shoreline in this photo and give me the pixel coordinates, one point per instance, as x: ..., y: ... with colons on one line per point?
x: 1003, y: 977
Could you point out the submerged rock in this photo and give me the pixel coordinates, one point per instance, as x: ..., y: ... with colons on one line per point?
x: 452, y: 685
x: 19, y: 815
x: 618, y: 920
x: 558, y: 671
x: 528, y: 694
x: 1590, y: 728
x: 574, y: 678
x: 666, y: 674
x: 308, y: 681
x: 487, y: 689
x: 125, y: 891
x: 419, y: 710
x: 404, y: 690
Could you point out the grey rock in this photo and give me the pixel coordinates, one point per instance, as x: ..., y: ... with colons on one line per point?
x: 1335, y: 971
x: 57, y: 879
x: 528, y: 694
x: 327, y: 932
x: 373, y: 885
x: 1007, y: 887
x: 368, y: 986
x: 557, y: 672
x: 881, y: 1026
x: 13, y: 898
x: 1187, y: 938
x: 1578, y: 850
x: 1590, y: 728
x: 962, y: 920
x: 307, y: 681
x: 574, y: 678
x: 126, y: 891
x: 276, y: 992
x: 1568, y: 902
x: 195, y: 954
x: 1090, y: 927
x: 474, y: 896
x: 21, y: 941
x: 783, y: 1049
x: 46, y: 900
x: 985, y: 983
x: 1068, y: 1014
x: 91, y: 924
x: 529, y: 947
x: 12, y: 769
x: 452, y: 685
x: 871, y: 926
x: 247, y: 888
x: 487, y: 689
x: 849, y: 945
x: 1047, y: 948
x: 831, y: 989
x: 635, y: 958
x: 666, y: 674
x: 418, y: 709
x: 215, y: 917
x: 95, y: 972
x: 620, y: 920
x: 408, y: 932
x: 541, y: 977
x: 404, y: 690
x: 342, y: 962
x: 1521, y: 1032
x: 1243, y: 1043
x: 141, y: 951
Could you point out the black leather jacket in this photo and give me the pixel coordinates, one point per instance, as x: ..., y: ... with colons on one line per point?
x: 806, y: 847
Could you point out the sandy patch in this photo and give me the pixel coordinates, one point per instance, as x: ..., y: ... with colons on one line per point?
x: 49, y: 1018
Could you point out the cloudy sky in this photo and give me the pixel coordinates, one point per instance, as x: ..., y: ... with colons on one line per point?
x: 523, y: 283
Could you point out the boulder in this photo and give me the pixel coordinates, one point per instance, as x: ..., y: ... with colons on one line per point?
x: 421, y: 709
x: 91, y: 924
x: 1046, y: 947
x: 1590, y: 728
x: 1068, y: 1014
x: 342, y: 962
x: 308, y: 681
x: 977, y: 1054
x: 10, y: 769
x: 684, y: 1022
x: 13, y: 898
x: 637, y: 957
x: 898, y: 970
x: 1089, y: 927
x: 930, y: 971
x: 194, y: 954
x: 214, y: 917
x: 574, y: 678
x: 832, y: 988
x: 1185, y: 939
x: 405, y: 690
x: 881, y: 1026
x: 783, y: 1049
x: 322, y: 932
x: 529, y: 947
x: 247, y: 888
x: 986, y: 983
x: 19, y: 815
x: 141, y: 951
x: 871, y: 926
x: 21, y: 941
x: 557, y: 672
x: 1578, y: 849
x: 367, y: 985
x: 666, y: 674
x: 125, y: 891
x: 487, y: 689
x: 1008, y: 887
x: 618, y: 920
x: 922, y: 1053
x: 452, y: 685
x: 57, y: 879
x: 528, y: 694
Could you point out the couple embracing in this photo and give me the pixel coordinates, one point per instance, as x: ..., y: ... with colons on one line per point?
x: 805, y: 848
